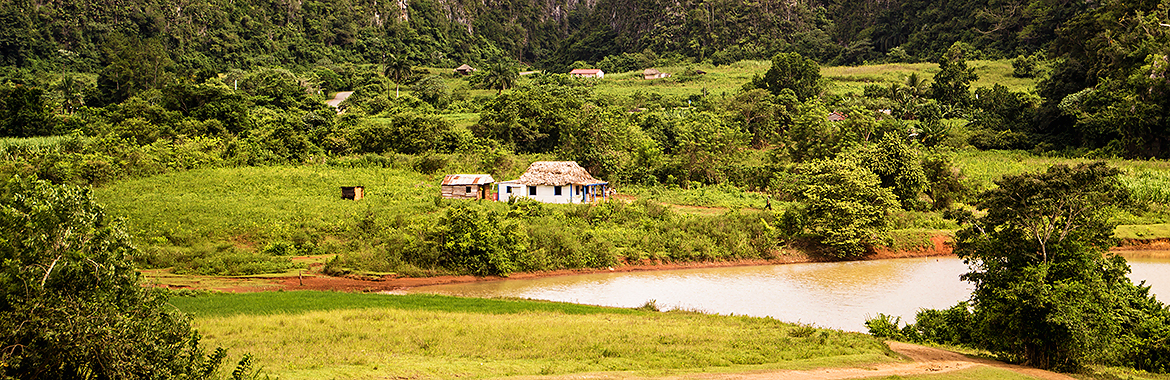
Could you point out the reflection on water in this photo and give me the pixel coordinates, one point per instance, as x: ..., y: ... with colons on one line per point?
x: 835, y: 295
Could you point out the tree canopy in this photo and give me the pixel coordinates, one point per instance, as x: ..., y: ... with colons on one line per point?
x: 1047, y: 294
x: 73, y: 306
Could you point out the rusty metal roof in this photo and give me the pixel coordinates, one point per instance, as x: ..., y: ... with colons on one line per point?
x: 467, y: 179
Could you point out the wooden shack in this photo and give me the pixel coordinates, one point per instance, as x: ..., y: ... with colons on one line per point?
x: 353, y: 192
x: 467, y: 186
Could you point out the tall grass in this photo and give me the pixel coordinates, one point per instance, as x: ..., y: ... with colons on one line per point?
x: 476, y: 339
x: 1147, y: 180
x: 845, y: 79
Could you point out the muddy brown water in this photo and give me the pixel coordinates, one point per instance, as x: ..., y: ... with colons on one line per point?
x: 835, y: 295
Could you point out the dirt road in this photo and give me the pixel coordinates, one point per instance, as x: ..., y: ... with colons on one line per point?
x: 925, y: 361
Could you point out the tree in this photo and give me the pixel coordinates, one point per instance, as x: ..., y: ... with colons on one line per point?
x: 898, y: 165
x: 134, y: 65
x: 1046, y: 293
x: 531, y: 118
x: 758, y: 112
x: 791, y: 71
x: 501, y: 76
x: 953, y: 82
x: 706, y: 146
x: 73, y: 306
x: 845, y: 206
x: 23, y: 112
x: 479, y: 241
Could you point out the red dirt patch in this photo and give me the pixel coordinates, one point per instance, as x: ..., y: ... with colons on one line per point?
x: 1161, y: 244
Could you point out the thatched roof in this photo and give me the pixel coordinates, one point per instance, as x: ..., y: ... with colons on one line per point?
x: 556, y: 173
x: 651, y: 72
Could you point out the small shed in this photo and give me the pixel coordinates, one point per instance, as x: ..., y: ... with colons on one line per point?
x: 588, y: 73
x: 353, y: 192
x: 654, y: 74
x: 837, y: 116
x: 555, y: 182
x: 465, y: 69
x: 467, y: 186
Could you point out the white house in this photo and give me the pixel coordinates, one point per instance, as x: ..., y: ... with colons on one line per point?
x: 588, y: 73
x: 554, y: 182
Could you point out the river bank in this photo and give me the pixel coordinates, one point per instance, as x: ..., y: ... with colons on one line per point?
x: 313, y: 279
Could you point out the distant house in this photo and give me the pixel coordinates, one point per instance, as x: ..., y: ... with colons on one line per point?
x: 588, y: 73
x: 837, y: 116
x: 554, y: 182
x: 654, y: 74
x: 467, y: 186
x: 465, y: 69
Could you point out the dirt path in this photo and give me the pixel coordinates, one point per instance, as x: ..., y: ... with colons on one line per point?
x: 926, y: 360
x: 338, y: 98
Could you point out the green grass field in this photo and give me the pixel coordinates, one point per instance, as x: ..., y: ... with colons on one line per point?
x: 307, y: 335
x: 238, y: 204
x: 727, y: 79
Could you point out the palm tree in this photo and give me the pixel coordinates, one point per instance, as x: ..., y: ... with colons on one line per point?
x: 397, y: 69
x: 501, y: 76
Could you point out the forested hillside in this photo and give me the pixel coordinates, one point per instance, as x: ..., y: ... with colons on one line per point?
x: 221, y: 35
x: 1101, y: 64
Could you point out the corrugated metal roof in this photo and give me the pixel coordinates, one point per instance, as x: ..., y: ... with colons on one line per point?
x: 468, y: 179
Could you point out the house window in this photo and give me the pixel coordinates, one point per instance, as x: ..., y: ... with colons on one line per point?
x: 508, y: 189
x: 468, y: 190
x: 557, y: 190
x: 532, y: 190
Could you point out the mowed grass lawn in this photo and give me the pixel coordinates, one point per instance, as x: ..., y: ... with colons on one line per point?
x: 321, y: 335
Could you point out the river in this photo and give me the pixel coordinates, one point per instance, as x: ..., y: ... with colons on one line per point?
x: 839, y: 295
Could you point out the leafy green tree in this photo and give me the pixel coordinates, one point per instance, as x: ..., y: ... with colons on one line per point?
x: 794, y: 72
x: 432, y: 90
x: 812, y: 135
x: 898, y: 165
x: 135, y: 65
x: 952, y: 84
x: 73, y: 306
x: 479, y: 241
x: 1046, y: 291
x: 845, y: 207
x: 532, y: 118
x: 23, y: 112
x: 756, y: 110
x: 706, y: 146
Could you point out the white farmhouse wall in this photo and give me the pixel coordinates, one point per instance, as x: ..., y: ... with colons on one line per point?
x: 544, y: 193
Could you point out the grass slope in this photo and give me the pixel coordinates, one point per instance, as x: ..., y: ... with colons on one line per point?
x: 249, y: 203
x: 299, y: 335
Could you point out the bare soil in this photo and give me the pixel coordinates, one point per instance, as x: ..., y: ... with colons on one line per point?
x: 924, y: 361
